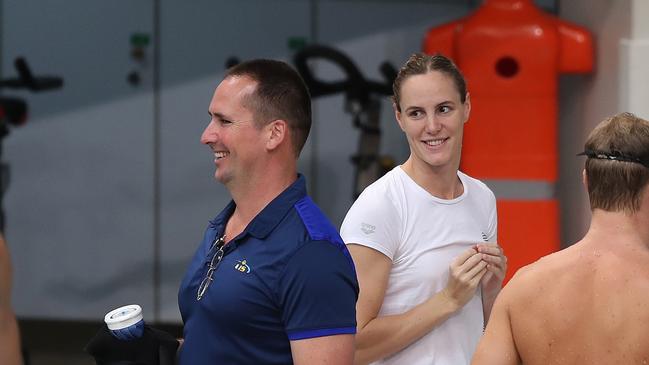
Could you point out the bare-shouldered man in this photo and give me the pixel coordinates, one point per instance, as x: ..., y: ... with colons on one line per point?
x: 9, y: 338
x: 589, y: 303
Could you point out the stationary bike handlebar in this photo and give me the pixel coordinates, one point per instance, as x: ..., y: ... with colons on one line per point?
x: 355, y: 85
x: 27, y: 80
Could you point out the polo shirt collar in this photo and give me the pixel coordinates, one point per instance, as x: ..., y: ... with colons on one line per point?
x: 270, y: 216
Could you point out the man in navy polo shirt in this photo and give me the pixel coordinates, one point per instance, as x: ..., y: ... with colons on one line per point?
x: 272, y: 282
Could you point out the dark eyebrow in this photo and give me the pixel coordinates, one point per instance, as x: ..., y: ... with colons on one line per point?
x: 412, y: 107
x: 217, y: 115
x: 443, y: 103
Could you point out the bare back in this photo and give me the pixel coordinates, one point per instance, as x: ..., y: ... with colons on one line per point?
x: 587, y: 304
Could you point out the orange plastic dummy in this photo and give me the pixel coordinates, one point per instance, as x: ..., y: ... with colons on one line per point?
x: 511, y: 54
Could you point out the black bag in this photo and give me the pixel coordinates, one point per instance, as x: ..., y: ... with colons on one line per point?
x: 155, y: 347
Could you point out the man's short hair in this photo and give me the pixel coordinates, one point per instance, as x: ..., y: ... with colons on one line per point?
x: 280, y: 94
x: 617, y: 167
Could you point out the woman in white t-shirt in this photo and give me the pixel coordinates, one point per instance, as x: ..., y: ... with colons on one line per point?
x: 423, y: 237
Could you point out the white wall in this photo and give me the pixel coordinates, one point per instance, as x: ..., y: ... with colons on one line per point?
x: 634, y: 56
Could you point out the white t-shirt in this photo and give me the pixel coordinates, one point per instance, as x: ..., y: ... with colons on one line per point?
x: 422, y: 235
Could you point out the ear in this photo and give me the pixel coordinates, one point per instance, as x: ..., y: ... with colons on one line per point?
x: 277, y: 132
x: 584, y: 178
x: 467, y: 107
x: 397, y: 116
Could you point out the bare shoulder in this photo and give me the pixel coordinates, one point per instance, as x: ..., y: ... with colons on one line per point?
x: 573, y: 304
x: 531, y: 278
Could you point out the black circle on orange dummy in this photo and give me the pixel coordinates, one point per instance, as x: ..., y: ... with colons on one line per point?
x: 507, y: 67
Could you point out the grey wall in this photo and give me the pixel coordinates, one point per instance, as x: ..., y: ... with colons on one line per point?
x: 587, y: 100
x: 79, y: 222
x: 84, y: 216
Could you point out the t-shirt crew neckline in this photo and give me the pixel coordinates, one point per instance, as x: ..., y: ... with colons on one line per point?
x: 417, y: 188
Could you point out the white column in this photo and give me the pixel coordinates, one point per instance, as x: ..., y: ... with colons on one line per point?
x: 634, y: 57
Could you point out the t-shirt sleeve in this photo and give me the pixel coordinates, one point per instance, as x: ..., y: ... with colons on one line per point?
x: 493, y: 219
x: 373, y: 221
x: 318, y: 292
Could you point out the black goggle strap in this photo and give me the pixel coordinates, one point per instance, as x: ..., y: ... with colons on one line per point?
x: 615, y: 156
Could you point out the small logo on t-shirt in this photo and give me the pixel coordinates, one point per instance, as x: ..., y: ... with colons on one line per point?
x: 484, y: 237
x: 367, y: 228
x: 242, y: 266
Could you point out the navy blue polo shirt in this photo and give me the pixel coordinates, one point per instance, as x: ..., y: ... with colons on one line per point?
x: 287, y: 276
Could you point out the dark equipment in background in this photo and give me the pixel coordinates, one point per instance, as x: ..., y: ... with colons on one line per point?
x: 361, y: 101
x: 13, y: 112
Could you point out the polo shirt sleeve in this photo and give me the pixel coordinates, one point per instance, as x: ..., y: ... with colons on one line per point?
x: 318, y: 291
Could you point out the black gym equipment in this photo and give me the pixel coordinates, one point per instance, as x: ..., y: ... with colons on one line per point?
x: 361, y: 101
x: 13, y: 112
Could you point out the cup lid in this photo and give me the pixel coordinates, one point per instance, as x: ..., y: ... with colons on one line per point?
x: 123, y: 317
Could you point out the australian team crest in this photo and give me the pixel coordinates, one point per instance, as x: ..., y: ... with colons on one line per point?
x: 242, y: 266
